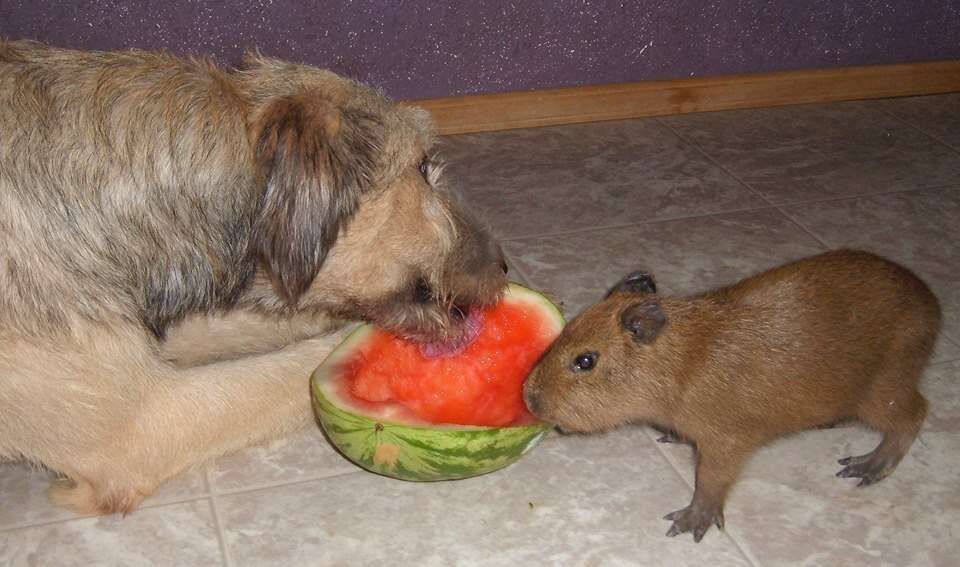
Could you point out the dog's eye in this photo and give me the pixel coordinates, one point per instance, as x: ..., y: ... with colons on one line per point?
x: 422, y: 293
x: 585, y: 362
x: 425, y: 168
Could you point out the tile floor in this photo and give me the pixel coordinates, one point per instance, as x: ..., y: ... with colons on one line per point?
x: 700, y: 200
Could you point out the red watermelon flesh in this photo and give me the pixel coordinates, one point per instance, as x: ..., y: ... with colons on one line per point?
x: 482, y: 385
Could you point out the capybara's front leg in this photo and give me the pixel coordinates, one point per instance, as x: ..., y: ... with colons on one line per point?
x: 717, y: 470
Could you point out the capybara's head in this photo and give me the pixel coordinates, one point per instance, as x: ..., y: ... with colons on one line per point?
x: 355, y: 219
x: 606, y: 367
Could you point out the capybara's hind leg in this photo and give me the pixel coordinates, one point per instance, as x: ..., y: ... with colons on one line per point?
x: 899, y: 417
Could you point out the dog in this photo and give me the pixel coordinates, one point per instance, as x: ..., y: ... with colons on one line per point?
x: 177, y: 238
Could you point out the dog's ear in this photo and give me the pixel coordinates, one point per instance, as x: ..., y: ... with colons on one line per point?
x: 317, y: 160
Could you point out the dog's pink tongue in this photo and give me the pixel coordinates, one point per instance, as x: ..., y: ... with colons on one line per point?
x: 471, y: 330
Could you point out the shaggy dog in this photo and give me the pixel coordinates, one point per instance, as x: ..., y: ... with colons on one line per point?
x: 162, y: 219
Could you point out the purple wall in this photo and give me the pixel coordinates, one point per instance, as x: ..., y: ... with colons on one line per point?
x: 429, y: 49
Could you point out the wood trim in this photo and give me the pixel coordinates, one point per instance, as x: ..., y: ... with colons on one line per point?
x: 526, y: 109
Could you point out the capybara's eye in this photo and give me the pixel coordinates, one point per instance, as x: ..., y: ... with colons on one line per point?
x: 425, y: 168
x: 584, y: 362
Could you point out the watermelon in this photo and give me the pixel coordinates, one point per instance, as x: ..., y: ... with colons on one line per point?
x: 392, y: 408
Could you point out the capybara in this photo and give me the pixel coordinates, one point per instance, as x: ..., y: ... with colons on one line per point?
x: 837, y: 336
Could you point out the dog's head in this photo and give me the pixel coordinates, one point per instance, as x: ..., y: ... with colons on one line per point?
x: 354, y: 219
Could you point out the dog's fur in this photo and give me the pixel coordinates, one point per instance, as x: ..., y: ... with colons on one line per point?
x: 164, y: 218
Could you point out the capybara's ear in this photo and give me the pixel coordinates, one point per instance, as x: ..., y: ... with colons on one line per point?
x: 644, y: 321
x: 317, y: 161
x: 635, y: 282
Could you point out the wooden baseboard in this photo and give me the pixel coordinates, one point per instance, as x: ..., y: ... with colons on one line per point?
x: 503, y: 111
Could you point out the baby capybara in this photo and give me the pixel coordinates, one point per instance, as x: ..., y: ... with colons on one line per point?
x: 842, y: 335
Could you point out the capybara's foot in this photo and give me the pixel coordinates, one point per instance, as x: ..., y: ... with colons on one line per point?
x: 870, y: 468
x: 694, y: 519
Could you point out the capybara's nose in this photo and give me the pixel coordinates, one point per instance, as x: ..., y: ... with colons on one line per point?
x: 532, y: 399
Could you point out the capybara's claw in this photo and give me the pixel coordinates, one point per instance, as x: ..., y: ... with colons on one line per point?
x: 869, y: 468
x: 693, y: 519
x: 670, y: 437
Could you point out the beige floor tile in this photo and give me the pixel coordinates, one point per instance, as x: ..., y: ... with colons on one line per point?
x: 23, y: 493
x: 920, y: 229
x: 176, y: 534
x: 937, y: 115
x: 684, y: 256
x: 811, y: 152
x: 572, y: 501
x: 790, y: 509
x: 304, y: 456
x: 548, y: 180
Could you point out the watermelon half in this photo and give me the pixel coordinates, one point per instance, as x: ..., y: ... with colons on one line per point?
x: 397, y: 412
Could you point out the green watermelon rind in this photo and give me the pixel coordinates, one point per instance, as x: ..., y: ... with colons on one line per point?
x: 417, y: 451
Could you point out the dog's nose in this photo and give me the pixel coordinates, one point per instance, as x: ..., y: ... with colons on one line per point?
x: 459, y: 312
x: 502, y: 259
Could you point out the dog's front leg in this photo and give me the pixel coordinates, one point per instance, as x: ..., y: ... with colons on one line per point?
x: 206, y: 338
x: 191, y: 416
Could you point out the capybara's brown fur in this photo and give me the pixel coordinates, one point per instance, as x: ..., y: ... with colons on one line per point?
x: 842, y: 335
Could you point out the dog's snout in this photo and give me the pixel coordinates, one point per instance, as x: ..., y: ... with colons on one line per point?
x: 502, y: 259
x: 458, y: 312
x: 422, y: 292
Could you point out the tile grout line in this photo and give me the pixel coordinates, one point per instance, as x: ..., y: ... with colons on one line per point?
x: 770, y: 205
x: 209, y: 495
x: 78, y: 518
x: 776, y: 206
x: 909, y: 124
x: 803, y: 228
x: 628, y: 225
x: 780, y: 207
x: 719, y: 165
x: 944, y: 362
x: 822, y: 241
x: 217, y: 520
x: 281, y: 484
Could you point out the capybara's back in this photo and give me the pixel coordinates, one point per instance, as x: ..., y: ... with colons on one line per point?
x: 853, y: 330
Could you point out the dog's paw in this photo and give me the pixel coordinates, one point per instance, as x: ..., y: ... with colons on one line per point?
x: 78, y: 497
x: 83, y: 498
